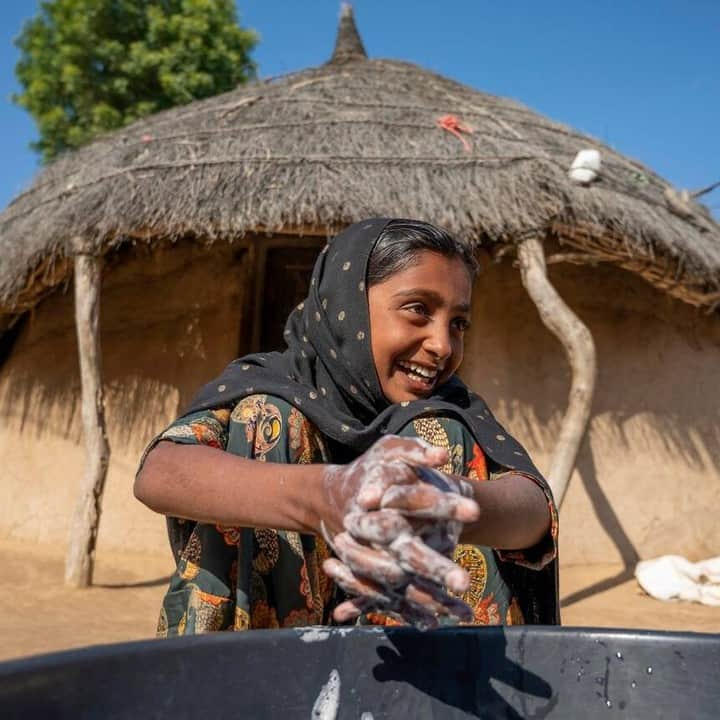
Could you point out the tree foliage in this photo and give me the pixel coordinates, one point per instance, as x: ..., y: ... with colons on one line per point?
x: 89, y: 66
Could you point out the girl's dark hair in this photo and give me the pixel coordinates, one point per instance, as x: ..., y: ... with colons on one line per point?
x: 402, y: 241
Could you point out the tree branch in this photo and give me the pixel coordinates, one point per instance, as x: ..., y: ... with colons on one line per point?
x: 80, y: 559
x: 580, y: 349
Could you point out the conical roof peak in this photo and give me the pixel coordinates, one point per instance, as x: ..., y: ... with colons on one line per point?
x: 348, y: 44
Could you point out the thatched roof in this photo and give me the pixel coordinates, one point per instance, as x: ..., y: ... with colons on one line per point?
x: 312, y: 151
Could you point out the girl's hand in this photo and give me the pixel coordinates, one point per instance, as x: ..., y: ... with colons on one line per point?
x: 392, y: 462
x: 420, y: 602
x: 411, y: 518
x: 359, y: 489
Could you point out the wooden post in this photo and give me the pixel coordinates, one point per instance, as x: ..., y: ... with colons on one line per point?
x: 580, y: 349
x: 80, y: 558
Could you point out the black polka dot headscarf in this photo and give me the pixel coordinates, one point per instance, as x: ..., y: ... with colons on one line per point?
x: 328, y: 371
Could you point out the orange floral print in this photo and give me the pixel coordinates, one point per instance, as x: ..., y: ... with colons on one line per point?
x: 305, y: 587
x: 299, y: 618
x: 477, y: 467
x: 264, y: 617
x: 230, y: 533
x: 514, y: 615
x: 487, y: 612
x: 376, y: 618
x: 206, y: 435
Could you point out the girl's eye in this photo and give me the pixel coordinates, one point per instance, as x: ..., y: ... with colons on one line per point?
x: 418, y: 308
x: 462, y: 324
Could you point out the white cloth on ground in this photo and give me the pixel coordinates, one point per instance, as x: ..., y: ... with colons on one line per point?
x: 674, y: 577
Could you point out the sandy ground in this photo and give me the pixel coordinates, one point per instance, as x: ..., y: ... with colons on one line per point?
x: 38, y: 615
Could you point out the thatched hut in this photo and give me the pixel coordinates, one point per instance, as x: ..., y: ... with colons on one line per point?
x: 205, y: 220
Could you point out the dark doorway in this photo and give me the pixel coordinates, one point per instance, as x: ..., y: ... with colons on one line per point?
x: 287, y: 278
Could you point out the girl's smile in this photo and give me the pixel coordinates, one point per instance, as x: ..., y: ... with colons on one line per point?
x: 418, y: 318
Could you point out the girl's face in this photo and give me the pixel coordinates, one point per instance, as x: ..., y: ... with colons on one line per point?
x: 418, y: 319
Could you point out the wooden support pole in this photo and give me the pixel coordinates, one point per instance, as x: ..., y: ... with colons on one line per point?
x: 80, y: 558
x: 580, y: 349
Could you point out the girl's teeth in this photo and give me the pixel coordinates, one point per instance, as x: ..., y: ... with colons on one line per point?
x: 418, y: 373
x: 419, y: 370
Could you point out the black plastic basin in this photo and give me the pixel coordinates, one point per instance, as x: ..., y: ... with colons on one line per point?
x: 396, y: 673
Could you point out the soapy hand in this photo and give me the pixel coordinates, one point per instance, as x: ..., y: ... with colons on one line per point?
x: 401, y: 519
x: 361, y: 484
x: 420, y: 602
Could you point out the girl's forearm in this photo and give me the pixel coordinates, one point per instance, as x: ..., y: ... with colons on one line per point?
x: 208, y: 485
x: 514, y: 513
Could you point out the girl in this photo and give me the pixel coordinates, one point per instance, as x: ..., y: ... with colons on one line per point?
x: 338, y: 437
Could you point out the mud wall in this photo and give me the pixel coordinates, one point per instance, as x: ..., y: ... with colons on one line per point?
x: 648, y: 475
x: 170, y: 320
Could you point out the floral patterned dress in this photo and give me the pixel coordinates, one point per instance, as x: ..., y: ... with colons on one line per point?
x: 235, y: 578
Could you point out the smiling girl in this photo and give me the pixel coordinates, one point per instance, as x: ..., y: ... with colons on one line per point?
x: 362, y: 434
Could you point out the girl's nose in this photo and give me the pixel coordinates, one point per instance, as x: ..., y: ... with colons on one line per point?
x: 438, y: 343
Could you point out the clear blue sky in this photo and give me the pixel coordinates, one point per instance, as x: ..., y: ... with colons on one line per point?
x: 641, y: 75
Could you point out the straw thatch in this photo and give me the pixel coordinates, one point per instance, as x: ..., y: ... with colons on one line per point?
x: 312, y: 151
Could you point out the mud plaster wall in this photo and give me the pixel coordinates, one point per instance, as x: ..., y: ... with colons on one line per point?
x: 648, y: 476
x: 649, y: 473
x: 169, y: 321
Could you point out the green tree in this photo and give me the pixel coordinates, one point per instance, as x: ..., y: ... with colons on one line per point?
x: 89, y: 66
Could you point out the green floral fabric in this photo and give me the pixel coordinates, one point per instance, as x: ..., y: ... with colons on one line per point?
x: 235, y: 578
